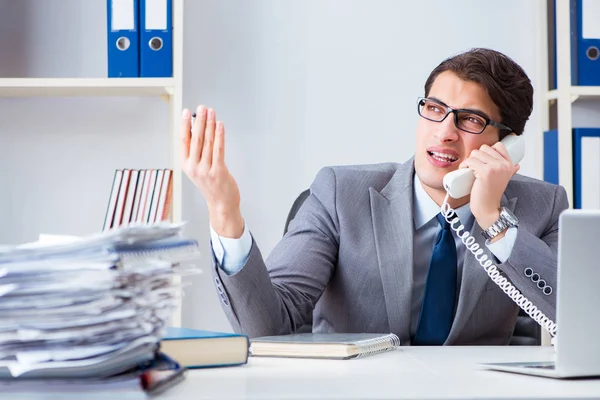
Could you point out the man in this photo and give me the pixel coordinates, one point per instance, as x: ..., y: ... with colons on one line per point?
x: 368, y: 252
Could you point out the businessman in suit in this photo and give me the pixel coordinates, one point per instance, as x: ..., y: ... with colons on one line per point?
x: 369, y: 252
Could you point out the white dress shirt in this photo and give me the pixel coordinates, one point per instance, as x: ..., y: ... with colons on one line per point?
x: 426, y: 229
x: 232, y: 254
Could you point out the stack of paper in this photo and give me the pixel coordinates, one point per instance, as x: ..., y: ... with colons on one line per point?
x: 92, y: 308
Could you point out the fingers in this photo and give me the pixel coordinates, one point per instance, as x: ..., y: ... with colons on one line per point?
x: 492, y: 156
x: 500, y: 148
x: 186, y: 121
x: 219, y: 147
x: 197, y: 138
x: 492, y: 152
x: 474, y: 164
x: 209, y: 138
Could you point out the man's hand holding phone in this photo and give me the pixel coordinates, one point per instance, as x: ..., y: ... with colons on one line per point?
x: 493, y: 169
x: 203, y: 161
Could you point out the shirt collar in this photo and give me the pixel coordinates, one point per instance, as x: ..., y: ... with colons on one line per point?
x: 425, y: 209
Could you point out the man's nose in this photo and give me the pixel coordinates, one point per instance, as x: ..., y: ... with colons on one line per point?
x: 447, y: 132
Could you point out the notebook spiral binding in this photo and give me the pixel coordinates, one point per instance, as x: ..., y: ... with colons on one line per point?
x: 378, y: 345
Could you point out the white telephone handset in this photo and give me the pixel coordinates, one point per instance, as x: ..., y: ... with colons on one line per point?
x: 458, y: 184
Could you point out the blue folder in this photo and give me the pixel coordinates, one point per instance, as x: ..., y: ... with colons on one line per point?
x: 551, y: 159
x: 123, y: 38
x: 578, y: 171
x: 156, y: 38
x: 585, y: 43
x: 551, y: 156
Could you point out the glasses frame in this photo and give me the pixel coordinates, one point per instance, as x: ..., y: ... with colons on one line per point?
x: 450, y: 110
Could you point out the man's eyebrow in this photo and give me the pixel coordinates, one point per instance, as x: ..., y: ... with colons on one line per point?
x: 477, y: 111
x: 473, y: 110
x: 438, y: 100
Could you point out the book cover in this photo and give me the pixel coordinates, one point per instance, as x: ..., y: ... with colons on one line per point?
x: 324, y: 345
x: 194, y: 348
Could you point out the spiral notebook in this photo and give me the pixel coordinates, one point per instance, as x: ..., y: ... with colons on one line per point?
x: 342, y: 346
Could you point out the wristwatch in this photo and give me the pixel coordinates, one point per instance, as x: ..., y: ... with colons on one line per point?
x: 506, y: 220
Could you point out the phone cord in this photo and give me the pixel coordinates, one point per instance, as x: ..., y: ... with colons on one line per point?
x: 493, y: 272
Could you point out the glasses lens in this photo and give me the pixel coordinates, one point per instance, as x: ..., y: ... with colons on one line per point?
x: 471, y: 122
x: 432, y: 110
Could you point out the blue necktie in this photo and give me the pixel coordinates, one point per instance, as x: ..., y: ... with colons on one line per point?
x: 437, y: 310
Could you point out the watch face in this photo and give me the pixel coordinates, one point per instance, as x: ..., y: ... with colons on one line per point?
x: 509, y: 216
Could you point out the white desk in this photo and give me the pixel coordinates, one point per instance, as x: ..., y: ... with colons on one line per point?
x: 409, y: 373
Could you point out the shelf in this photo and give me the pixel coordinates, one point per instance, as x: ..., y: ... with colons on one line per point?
x: 588, y: 92
x: 85, y: 87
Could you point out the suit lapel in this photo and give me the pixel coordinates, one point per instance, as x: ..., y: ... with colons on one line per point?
x: 474, y: 278
x: 392, y: 213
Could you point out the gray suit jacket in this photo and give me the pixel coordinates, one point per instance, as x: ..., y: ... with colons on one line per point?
x: 348, y: 255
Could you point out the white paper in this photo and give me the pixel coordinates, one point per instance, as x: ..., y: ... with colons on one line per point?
x: 49, y: 238
x: 76, y: 353
x: 590, y: 172
x: 156, y: 15
x: 123, y: 15
x: 5, y: 289
x: 590, y: 28
x: 69, y: 333
x: 58, y: 323
x: 68, y: 303
x: 16, y: 369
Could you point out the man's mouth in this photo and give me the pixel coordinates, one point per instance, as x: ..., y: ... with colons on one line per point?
x: 442, y: 157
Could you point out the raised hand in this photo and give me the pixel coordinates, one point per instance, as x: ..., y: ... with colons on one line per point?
x: 203, y: 161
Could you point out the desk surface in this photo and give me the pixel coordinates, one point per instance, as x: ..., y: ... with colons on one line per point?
x: 408, y: 373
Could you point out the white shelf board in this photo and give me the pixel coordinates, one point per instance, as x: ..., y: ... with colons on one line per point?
x: 577, y: 92
x: 85, y: 87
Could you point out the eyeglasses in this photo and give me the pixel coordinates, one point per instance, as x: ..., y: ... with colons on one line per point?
x: 465, y: 120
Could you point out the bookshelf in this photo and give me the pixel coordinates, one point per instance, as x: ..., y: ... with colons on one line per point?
x: 169, y: 89
x: 566, y: 95
x: 576, y: 93
x: 85, y: 87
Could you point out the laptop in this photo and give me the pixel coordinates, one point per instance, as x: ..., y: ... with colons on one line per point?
x: 577, y: 343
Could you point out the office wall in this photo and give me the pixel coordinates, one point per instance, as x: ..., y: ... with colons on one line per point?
x: 299, y: 85
x: 305, y: 84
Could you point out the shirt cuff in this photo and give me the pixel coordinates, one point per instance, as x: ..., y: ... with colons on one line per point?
x: 231, y: 254
x: 503, y: 247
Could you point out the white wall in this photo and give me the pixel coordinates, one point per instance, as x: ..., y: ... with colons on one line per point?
x: 299, y: 85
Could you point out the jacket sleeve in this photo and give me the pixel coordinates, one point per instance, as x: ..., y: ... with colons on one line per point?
x: 277, y: 296
x: 536, y: 257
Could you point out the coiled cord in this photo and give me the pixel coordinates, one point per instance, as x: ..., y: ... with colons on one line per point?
x: 493, y: 272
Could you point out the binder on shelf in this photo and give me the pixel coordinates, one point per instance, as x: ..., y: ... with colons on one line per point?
x: 123, y: 38
x: 552, y: 77
x: 585, y: 42
x: 156, y: 38
x: 586, y: 149
x: 551, y: 156
x: 586, y: 165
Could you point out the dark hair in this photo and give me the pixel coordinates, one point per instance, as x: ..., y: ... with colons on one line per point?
x: 505, y: 81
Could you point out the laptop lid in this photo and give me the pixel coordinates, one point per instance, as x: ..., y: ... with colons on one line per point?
x: 578, y: 294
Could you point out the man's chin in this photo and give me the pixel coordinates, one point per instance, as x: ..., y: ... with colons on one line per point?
x: 432, y: 181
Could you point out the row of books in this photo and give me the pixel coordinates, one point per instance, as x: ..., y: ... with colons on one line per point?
x: 139, y: 196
